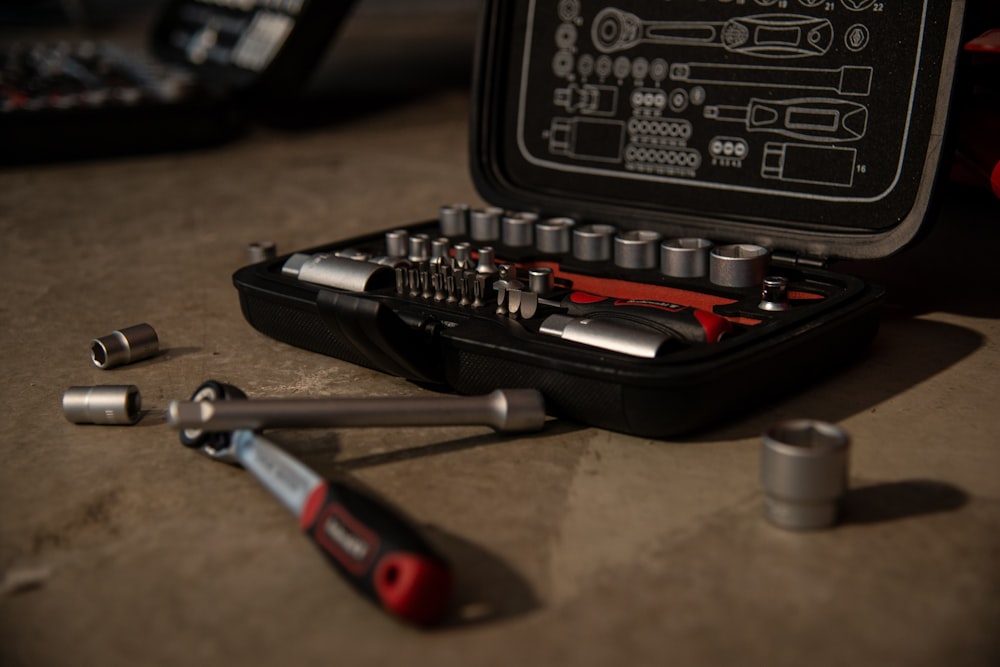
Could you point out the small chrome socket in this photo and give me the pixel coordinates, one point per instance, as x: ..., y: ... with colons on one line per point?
x: 774, y: 294
x: 484, y: 224
x: 518, y: 229
x: 102, y: 404
x: 637, y: 249
x: 397, y: 243
x: 803, y: 472
x: 541, y: 280
x: 261, y: 251
x: 685, y: 257
x: 593, y: 243
x: 553, y: 235
x: 454, y: 219
x: 124, y: 346
x: 420, y: 248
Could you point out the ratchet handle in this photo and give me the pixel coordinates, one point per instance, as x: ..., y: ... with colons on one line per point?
x: 379, y: 552
x: 689, y: 324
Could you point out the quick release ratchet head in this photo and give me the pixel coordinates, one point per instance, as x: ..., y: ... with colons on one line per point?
x: 216, y: 444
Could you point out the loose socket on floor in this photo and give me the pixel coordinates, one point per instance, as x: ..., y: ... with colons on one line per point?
x: 803, y: 472
x: 124, y: 346
x: 102, y: 404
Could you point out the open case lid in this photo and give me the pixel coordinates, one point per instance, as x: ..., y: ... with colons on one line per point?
x: 810, y: 126
x: 248, y: 47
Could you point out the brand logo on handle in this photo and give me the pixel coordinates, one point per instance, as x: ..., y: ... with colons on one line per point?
x: 342, y: 536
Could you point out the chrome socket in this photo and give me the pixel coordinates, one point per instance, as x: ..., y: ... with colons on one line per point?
x: 518, y: 229
x: 541, y: 280
x: 102, y: 404
x: 553, y: 235
x: 454, y: 219
x: 637, y: 249
x: 593, y: 243
x: 124, y: 346
x: 261, y: 252
x: 774, y: 294
x: 420, y: 248
x: 739, y: 265
x: 685, y: 257
x: 484, y: 224
x: 397, y: 243
x: 803, y: 471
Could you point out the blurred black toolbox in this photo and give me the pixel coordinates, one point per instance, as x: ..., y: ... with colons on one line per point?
x: 668, y: 183
x: 209, y: 62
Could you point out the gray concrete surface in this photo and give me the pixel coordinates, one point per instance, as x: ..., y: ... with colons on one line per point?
x: 572, y: 546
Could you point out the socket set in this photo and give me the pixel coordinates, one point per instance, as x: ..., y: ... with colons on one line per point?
x: 667, y: 187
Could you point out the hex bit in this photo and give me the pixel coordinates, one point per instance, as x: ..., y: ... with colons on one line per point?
x: 503, y: 409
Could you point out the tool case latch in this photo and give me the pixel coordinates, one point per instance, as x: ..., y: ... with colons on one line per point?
x: 795, y: 261
x: 378, y: 334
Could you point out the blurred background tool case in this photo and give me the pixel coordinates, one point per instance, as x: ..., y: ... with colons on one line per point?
x: 211, y: 62
x: 668, y: 183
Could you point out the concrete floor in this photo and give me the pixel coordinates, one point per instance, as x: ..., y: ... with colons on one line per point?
x: 572, y: 546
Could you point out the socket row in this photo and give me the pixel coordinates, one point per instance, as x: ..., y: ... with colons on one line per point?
x: 734, y: 265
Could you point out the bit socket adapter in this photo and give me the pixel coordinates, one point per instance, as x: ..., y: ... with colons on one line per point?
x: 804, y: 473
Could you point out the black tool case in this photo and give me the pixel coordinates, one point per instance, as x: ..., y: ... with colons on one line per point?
x: 614, y: 143
x: 210, y: 63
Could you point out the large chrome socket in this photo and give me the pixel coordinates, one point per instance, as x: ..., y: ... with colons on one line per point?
x: 553, y: 235
x: 454, y: 219
x: 593, y: 243
x: 518, y: 229
x: 637, y: 249
x: 803, y: 472
x: 484, y: 224
x: 738, y: 265
x: 685, y: 257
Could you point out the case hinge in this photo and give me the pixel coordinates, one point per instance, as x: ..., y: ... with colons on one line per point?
x: 795, y: 261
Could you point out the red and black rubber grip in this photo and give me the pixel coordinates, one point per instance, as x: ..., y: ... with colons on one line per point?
x: 379, y: 552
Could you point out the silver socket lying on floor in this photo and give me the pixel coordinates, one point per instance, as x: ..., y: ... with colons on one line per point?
x: 124, y: 346
x: 803, y: 471
x: 102, y: 404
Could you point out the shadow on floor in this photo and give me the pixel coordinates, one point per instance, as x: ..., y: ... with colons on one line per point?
x: 877, y: 503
